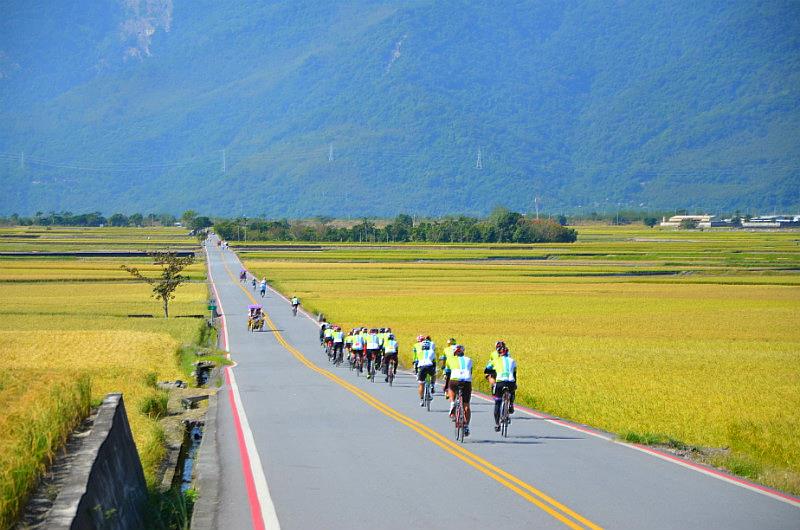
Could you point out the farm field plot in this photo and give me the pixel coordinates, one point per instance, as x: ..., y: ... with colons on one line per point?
x: 57, y: 239
x: 67, y: 338
x: 705, y: 356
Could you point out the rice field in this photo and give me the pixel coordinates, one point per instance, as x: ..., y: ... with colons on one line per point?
x: 705, y: 353
x: 71, y: 331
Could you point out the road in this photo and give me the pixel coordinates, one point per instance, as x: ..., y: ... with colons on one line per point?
x: 306, y: 445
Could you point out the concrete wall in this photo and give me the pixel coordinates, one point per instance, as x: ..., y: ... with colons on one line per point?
x: 105, y: 487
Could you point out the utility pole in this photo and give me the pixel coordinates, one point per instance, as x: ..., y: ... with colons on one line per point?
x: 479, y: 161
x: 536, y: 205
x: 224, y: 162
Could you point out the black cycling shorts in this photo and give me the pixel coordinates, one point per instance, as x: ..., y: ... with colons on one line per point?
x: 425, y: 370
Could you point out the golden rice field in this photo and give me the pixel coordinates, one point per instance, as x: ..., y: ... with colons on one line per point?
x: 62, y: 238
x: 709, y: 358
x: 65, y: 329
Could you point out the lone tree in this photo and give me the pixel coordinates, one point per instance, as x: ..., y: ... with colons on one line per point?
x: 171, y: 267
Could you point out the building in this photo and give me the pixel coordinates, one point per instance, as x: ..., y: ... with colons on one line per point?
x: 703, y: 221
x: 773, y: 221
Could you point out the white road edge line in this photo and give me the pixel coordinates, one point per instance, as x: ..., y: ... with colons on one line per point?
x: 565, y: 424
x: 268, y: 514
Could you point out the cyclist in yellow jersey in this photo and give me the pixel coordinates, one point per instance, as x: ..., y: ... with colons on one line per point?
x: 460, y: 368
x: 338, y: 342
x: 498, y: 347
x: 390, y: 351
x: 504, y: 370
x: 425, y: 364
x: 446, y: 354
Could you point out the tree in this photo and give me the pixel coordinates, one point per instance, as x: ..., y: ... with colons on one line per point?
x: 171, y: 267
x: 187, y: 217
x: 688, y: 224
x: 118, y: 219
x: 136, y: 219
x: 650, y: 221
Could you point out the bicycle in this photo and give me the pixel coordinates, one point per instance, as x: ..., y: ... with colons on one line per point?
x: 329, y: 350
x: 338, y: 356
x: 294, y: 310
x: 390, y: 373
x: 505, y: 407
x: 427, y: 397
x: 460, y: 416
x: 371, y: 369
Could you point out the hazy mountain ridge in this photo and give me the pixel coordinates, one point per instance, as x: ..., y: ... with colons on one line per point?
x: 576, y: 102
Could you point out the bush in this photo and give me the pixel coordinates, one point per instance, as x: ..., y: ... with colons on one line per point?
x: 155, y: 405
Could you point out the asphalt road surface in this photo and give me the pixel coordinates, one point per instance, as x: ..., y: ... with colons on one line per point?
x: 305, y: 445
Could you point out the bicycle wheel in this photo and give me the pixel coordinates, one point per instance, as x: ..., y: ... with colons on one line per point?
x: 390, y: 373
x: 460, y: 418
x: 372, y: 370
x: 504, y: 416
x: 428, y: 398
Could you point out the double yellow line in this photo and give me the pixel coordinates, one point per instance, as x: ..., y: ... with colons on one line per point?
x: 521, y: 488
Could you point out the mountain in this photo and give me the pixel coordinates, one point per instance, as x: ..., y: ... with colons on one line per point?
x: 366, y: 107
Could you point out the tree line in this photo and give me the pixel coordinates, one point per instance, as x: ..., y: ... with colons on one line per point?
x: 501, y: 226
x: 189, y: 219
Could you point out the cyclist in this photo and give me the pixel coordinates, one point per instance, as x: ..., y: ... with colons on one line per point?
x: 327, y: 338
x: 254, y: 283
x: 348, y: 344
x: 503, y: 369
x: 498, y: 347
x: 322, y: 327
x: 390, y: 351
x: 338, y: 342
x: 460, y: 368
x: 263, y: 285
x: 295, y: 304
x: 446, y: 354
x: 424, y: 364
x: 242, y: 275
x: 358, y: 344
x: 373, y: 349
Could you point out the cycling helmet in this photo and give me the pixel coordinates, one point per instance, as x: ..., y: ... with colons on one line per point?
x: 499, y: 345
x: 458, y: 350
x: 420, y: 338
x: 427, y: 337
x: 337, y: 328
x: 391, y: 337
x: 451, y: 341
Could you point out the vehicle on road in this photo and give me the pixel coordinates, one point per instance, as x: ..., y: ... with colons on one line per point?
x: 255, y: 318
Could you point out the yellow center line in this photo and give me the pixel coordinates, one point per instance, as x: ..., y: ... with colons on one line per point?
x: 523, y: 489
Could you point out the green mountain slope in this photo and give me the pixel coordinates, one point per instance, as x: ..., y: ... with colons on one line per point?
x: 365, y: 107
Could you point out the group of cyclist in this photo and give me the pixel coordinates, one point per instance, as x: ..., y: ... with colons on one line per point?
x: 262, y: 289
x: 372, y: 349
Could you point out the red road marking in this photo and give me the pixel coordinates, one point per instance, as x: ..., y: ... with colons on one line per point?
x: 252, y: 496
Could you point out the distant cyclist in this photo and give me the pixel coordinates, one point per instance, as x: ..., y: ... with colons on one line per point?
x: 460, y: 368
x: 254, y: 283
x: 390, y: 351
x: 373, y: 349
x: 295, y: 305
x: 242, y: 275
x: 503, y: 369
x: 498, y: 347
x: 446, y: 354
x: 263, y: 286
x: 338, y: 343
x: 358, y: 344
x: 425, y: 364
